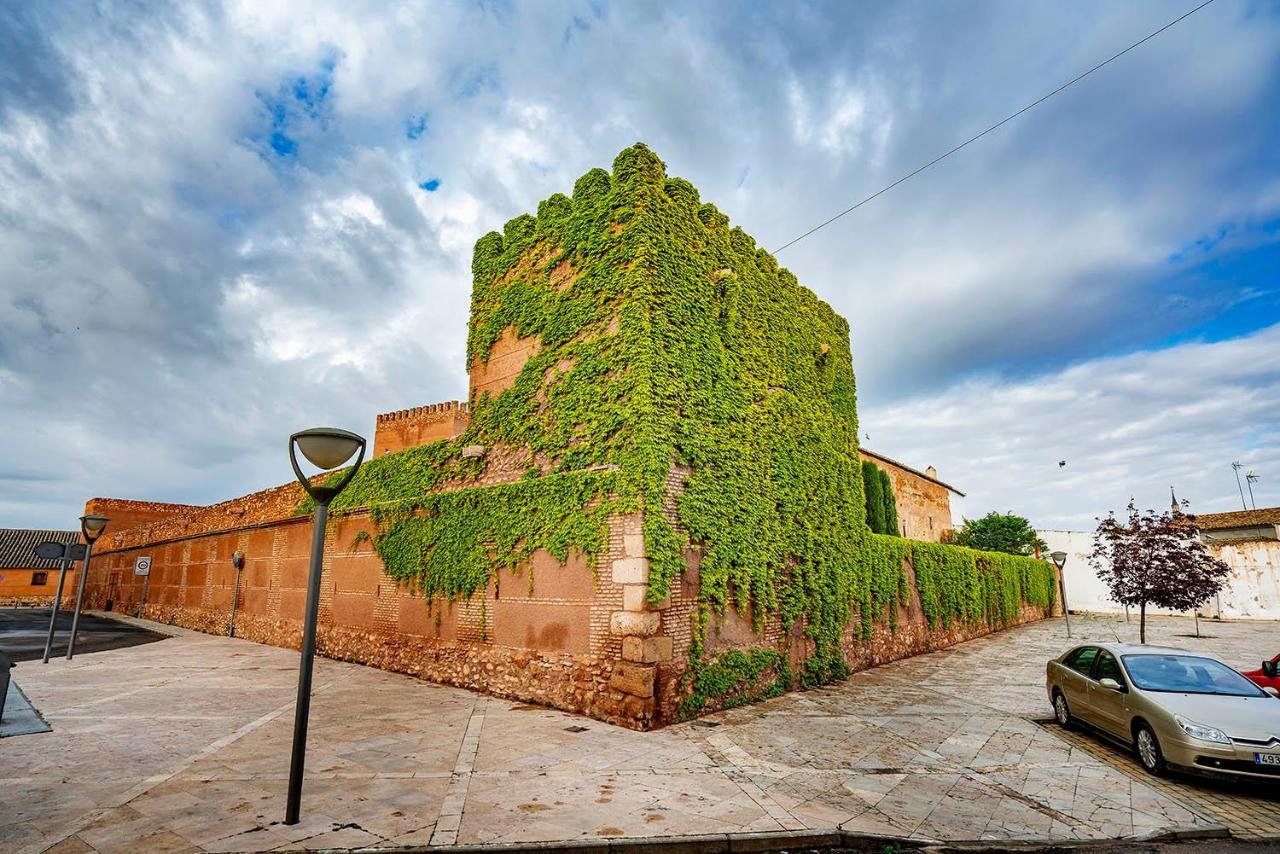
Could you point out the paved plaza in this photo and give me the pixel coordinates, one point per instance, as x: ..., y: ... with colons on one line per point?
x: 183, y: 745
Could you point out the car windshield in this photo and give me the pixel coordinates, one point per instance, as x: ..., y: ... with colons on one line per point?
x: 1187, y: 674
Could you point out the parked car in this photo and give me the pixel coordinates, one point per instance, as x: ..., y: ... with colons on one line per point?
x: 1175, y: 708
x: 1266, y: 676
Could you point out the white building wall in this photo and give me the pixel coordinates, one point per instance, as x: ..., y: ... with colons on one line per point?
x: 1252, y: 589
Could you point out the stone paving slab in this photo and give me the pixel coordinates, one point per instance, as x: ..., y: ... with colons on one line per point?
x: 20, y: 718
x: 183, y: 745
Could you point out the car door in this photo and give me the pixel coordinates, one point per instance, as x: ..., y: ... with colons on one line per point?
x: 1077, y: 669
x: 1109, y: 708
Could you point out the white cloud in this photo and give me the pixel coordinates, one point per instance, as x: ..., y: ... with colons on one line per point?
x: 1126, y: 426
x: 151, y: 240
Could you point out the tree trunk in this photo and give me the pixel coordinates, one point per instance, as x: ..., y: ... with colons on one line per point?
x: 1142, y: 623
x: 1196, y: 611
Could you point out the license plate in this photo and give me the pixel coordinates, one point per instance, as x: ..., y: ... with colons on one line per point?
x: 1266, y: 759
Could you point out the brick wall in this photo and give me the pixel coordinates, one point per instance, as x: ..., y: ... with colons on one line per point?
x: 408, y: 428
x: 546, y: 633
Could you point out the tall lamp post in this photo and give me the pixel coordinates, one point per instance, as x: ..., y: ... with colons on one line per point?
x: 1060, y: 560
x: 325, y: 448
x: 91, y: 527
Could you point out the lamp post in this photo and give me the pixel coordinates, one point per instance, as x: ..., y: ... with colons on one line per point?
x: 237, y: 560
x: 325, y: 448
x: 91, y: 527
x: 1060, y: 560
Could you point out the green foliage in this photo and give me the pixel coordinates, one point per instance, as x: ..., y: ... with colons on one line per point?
x: 664, y: 340
x: 736, y: 678
x: 958, y: 584
x: 1000, y: 532
x: 890, y: 505
x: 874, y: 492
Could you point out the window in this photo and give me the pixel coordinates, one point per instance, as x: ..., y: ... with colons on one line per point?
x: 1188, y: 674
x: 1108, y: 668
x: 39, y: 579
x: 1081, y: 661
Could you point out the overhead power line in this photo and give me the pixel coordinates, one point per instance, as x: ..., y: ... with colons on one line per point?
x: 1005, y: 120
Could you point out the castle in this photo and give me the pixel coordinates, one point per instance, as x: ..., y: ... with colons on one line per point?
x: 650, y: 507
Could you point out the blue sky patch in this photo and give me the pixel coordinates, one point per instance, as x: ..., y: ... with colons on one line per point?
x: 415, y: 126
x: 430, y: 185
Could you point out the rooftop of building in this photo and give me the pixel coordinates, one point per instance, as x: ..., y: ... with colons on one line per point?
x: 1239, y: 519
x: 17, y: 547
x: 891, y: 461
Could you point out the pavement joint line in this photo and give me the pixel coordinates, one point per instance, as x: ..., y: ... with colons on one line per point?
x: 148, y: 783
x: 449, y: 820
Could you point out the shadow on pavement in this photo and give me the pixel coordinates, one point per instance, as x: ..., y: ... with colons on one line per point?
x: 23, y: 632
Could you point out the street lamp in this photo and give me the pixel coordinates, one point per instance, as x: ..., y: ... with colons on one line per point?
x: 325, y: 448
x: 1060, y: 560
x: 91, y: 527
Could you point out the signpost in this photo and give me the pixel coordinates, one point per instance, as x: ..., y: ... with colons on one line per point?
x: 142, y: 566
x: 63, y: 553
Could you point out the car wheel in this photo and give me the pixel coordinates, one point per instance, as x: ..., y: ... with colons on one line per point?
x: 1061, y: 710
x: 1148, y: 747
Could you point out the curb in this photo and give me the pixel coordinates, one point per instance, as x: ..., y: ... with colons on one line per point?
x: 795, y: 840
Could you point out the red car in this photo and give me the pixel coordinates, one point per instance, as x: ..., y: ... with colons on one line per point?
x: 1267, y: 676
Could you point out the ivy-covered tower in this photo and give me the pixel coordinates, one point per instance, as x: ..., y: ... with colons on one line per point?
x: 659, y: 487
x: 630, y: 327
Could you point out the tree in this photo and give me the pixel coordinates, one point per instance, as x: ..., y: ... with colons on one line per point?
x: 874, y: 493
x: 1000, y: 532
x: 890, y: 505
x: 1155, y: 558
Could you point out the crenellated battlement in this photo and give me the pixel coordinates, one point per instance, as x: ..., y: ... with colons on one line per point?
x: 418, y: 425
x: 445, y: 408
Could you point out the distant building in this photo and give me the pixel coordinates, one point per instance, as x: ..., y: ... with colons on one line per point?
x: 24, y: 578
x: 924, y: 502
x: 1247, y: 540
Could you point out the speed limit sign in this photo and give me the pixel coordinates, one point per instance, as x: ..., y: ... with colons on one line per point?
x: 142, y: 566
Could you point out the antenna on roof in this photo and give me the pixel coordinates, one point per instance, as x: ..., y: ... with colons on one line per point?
x: 1236, y: 465
x: 1251, y: 479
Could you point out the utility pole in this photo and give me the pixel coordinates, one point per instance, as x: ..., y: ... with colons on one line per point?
x: 1236, y: 465
x: 1251, y: 479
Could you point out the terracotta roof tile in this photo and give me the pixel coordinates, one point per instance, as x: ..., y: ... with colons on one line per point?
x: 17, y: 547
x: 1239, y: 518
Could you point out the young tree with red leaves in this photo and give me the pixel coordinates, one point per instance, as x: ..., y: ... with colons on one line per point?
x: 1155, y: 558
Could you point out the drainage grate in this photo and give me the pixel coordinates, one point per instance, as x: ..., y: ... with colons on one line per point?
x: 575, y: 729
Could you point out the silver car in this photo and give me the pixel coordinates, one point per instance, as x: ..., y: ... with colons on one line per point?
x: 1175, y: 708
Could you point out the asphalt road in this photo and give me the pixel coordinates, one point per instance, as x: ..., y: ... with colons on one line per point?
x: 23, y: 632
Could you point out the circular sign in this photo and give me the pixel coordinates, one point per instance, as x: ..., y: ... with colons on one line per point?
x: 142, y: 566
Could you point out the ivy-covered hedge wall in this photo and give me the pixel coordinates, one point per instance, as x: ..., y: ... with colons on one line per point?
x: 667, y: 338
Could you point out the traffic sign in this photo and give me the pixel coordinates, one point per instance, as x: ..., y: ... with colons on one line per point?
x: 75, y: 551
x: 142, y: 566
x: 50, y: 550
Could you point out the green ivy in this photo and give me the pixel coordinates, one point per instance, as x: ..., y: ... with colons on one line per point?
x: 963, y: 585
x: 736, y: 678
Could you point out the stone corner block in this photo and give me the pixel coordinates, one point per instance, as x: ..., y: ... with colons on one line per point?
x: 648, y: 650
x: 631, y: 570
x: 633, y: 545
x: 634, y: 679
x: 634, y: 623
x: 633, y: 597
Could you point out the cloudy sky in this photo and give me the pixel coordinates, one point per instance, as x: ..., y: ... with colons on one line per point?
x: 223, y: 222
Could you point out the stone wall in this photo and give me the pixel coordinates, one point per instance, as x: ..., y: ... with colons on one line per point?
x: 570, y: 636
x: 560, y: 635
